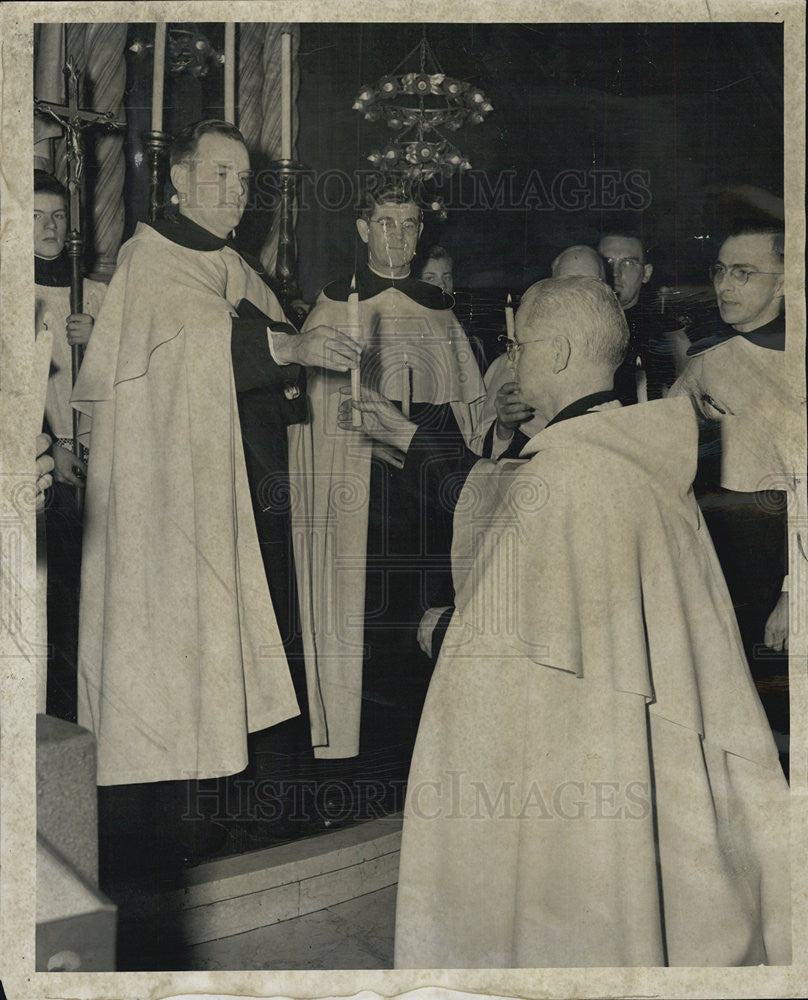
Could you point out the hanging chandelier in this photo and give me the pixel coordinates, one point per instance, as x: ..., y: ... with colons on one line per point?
x: 188, y: 51
x: 418, y: 104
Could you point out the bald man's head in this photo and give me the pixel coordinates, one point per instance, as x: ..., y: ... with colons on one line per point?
x: 580, y: 261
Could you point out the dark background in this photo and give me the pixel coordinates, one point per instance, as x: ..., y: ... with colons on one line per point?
x: 697, y: 107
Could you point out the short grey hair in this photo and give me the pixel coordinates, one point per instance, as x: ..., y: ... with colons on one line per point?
x: 584, y: 310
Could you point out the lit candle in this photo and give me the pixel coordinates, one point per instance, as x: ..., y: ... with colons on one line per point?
x: 286, y: 96
x: 509, y: 327
x: 353, y: 320
x: 230, y: 72
x: 158, y: 76
x: 405, y: 388
x: 642, y: 384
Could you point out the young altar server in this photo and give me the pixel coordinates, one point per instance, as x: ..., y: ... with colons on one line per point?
x: 52, y: 278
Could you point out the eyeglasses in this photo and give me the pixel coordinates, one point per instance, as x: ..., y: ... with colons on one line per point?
x: 513, y: 347
x: 408, y: 226
x: 629, y: 263
x: 740, y: 275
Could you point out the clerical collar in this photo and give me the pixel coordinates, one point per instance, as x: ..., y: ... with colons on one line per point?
x: 370, y: 284
x: 52, y: 271
x: 771, y: 336
x: 583, y: 405
x: 185, y: 233
x: 389, y: 277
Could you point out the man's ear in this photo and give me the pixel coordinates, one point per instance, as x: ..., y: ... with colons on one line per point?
x: 647, y: 271
x: 363, y: 229
x: 179, y: 177
x: 561, y: 353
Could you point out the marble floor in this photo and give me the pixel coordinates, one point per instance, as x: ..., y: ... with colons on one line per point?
x: 357, y: 934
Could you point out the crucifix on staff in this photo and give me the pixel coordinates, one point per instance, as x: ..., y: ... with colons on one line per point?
x: 74, y: 119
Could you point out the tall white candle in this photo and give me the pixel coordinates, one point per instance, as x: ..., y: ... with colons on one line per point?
x: 641, y: 380
x: 230, y: 72
x: 286, y: 96
x: 353, y: 320
x: 158, y: 76
x: 509, y: 327
x: 405, y: 388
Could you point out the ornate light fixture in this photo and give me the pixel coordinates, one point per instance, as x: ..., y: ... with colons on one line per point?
x: 188, y: 51
x: 417, y: 104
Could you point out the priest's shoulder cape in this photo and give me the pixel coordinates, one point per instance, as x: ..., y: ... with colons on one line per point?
x: 179, y: 651
x: 594, y: 781
x: 745, y: 381
x: 411, y: 344
x: 408, y: 322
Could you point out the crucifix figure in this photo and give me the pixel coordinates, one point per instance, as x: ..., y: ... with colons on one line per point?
x: 74, y: 120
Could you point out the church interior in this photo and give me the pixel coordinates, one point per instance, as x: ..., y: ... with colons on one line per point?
x: 678, y: 125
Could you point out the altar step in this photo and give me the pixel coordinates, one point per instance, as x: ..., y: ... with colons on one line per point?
x: 236, y: 895
x: 356, y: 934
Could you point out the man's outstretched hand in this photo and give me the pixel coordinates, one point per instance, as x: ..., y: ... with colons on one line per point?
x: 320, y: 347
x: 380, y: 419
x: 775, y: 635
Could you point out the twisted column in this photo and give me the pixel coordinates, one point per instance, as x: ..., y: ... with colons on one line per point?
x: 250, y: 70
x: 49, y: 85
x: 270, y: 134
x: 106, y: 71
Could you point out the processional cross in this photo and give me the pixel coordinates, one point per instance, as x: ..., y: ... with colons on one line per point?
x: 74, y: 120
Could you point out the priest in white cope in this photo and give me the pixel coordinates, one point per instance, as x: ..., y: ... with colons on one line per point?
x: 594, y: 781
x: 360, y: 541
x: 179, y: 651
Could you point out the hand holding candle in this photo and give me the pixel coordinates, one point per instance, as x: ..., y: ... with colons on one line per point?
x: 353, y: 320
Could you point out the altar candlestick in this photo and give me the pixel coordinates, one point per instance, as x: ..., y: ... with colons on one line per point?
x: 353, y: 320
x: 158, y: 77
x: 286, y: 96
x: 230, y: 72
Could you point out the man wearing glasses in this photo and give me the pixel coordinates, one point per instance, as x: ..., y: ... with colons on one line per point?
x: 739, y: 381
x: 648, y: 368
x: 590, y: 714
x: 506, y: 422
x: 361, y: 540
